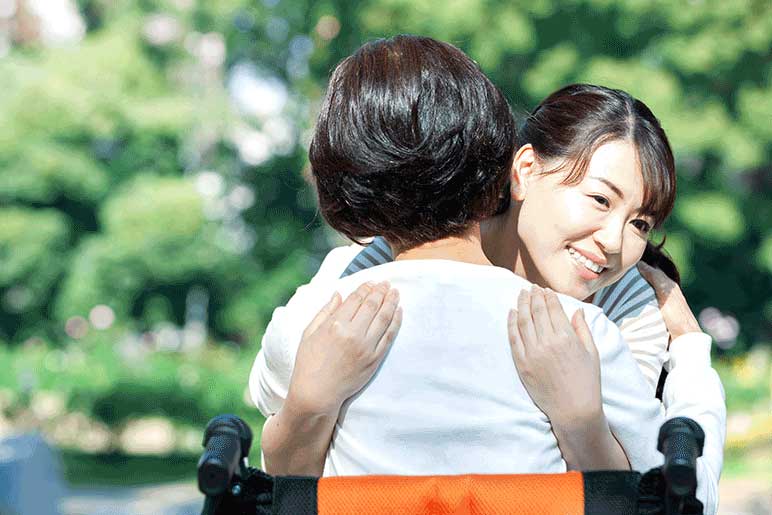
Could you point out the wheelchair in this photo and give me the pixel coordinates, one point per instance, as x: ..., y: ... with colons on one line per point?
x: 232, y: 487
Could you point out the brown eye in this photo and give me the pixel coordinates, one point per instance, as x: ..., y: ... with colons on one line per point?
x: 600, y: 199
x: 641, y: 225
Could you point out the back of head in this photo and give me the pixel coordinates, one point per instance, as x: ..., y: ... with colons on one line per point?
x: 413, y: 143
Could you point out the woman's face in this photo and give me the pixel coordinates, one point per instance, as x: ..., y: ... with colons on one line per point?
x: 576, y: 239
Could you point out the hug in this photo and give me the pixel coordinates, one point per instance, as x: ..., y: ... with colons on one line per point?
x: 499, y: 322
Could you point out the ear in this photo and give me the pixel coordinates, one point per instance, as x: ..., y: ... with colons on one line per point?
x: 523, y: 170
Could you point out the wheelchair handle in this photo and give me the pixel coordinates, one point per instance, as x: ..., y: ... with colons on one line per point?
x: 681, y: 440
x: 227, y: 440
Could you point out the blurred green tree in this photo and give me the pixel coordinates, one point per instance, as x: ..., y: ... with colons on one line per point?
x: 164, y: 152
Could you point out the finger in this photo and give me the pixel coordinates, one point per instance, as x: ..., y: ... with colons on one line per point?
x: 515, y: 341
x: 383, y: 317
x: 324, y: 313
x: 656, y: 278
x: 350, y: 306
x: 384, y: 344
x: 557, y: 314
x: 524, y: 320
x: 369, y: 308
x: 583, y: 331
x: 541, y: 318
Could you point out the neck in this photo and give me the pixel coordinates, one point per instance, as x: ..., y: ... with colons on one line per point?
x: 501, y: 243
x: 466, y: 248
x: 503, y: 246
x: 500, y: 240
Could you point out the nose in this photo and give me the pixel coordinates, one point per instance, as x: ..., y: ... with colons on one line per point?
x: 609, y: 236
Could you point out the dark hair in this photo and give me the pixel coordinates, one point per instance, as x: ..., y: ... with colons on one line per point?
x: 653, y: 255
x: 413, y: 142
x: 571, y: 123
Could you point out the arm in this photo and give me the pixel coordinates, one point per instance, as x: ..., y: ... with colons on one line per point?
x: 693, y: 388
x: 559, y: 366
x: 631, y: 304
x: 561, y: 377
x: 338, y: 353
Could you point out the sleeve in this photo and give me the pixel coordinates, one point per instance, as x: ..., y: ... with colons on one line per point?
x: 632, y: 305
x: 693, y: 389
x: 271, y: 372
x: 634, y: 415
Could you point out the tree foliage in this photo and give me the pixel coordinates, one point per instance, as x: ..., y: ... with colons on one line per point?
x: 105, y: 144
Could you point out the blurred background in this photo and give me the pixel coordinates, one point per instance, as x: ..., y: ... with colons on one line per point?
x: 153, y: 209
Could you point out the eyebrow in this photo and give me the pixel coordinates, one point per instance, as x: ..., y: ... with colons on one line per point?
x: 611, y: 185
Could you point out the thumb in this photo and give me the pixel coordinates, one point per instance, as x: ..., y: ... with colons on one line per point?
x: 326, y: 311
x: 583, y: 330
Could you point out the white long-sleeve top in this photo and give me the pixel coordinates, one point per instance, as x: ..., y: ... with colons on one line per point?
x: 692, y: 389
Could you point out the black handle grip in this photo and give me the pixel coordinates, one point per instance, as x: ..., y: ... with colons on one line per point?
x: 227, y: 440
x: 681, y: 440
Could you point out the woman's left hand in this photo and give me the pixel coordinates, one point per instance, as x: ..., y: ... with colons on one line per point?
x: 676, y: 312
x: 556, y: 359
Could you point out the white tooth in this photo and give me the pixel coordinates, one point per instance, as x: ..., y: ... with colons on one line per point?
x: 589, y: 264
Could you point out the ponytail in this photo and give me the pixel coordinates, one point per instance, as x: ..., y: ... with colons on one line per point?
x: 654, y: 256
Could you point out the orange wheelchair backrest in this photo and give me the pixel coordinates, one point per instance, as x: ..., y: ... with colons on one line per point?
x: 572, y: 493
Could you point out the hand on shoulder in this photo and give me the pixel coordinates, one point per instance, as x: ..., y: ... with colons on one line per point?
x: 342, y: 347
x: 676, y: 312
x: 556, y: 359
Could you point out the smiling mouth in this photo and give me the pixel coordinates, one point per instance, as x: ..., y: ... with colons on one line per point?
x: 585, y: 262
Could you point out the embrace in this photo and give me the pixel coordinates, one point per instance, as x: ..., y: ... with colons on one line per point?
x: 508, y: 314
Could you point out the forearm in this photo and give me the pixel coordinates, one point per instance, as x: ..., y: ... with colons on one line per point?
x: 295, y: 440
x: 590, y: 445
x: 693, y: 389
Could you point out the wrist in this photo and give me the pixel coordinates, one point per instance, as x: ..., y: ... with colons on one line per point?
x: 591, y: 419
x: 300, y: 405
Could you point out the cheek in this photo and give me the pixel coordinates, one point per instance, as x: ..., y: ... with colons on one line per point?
x: 632, y: 251
x: 557, y: 214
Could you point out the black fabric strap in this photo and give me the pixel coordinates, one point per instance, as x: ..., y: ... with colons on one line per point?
x: 611, y: 493
x: 294, y: 495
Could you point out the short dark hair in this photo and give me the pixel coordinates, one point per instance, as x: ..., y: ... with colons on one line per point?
x: 571, y: 123
x: 413, y: 143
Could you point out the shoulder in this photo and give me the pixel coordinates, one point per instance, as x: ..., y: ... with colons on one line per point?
x: 335, y: 262
x: 626, y: 298
x: 632, y: 305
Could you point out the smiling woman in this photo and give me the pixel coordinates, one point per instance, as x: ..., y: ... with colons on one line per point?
x: 595, y: 175
x: 593, y: 231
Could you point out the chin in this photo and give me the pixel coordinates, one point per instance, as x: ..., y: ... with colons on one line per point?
x: 573, y: 288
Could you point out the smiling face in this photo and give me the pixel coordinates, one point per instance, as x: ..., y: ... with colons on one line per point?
x: 578, y: 238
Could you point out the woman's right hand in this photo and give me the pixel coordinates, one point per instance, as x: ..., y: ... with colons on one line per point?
x: 678, y: 317
x: 343, y: 346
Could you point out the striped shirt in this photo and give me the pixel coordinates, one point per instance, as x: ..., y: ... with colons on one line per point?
x: 630, y: 303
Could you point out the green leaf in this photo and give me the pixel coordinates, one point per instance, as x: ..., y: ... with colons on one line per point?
x: 713, y: 216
